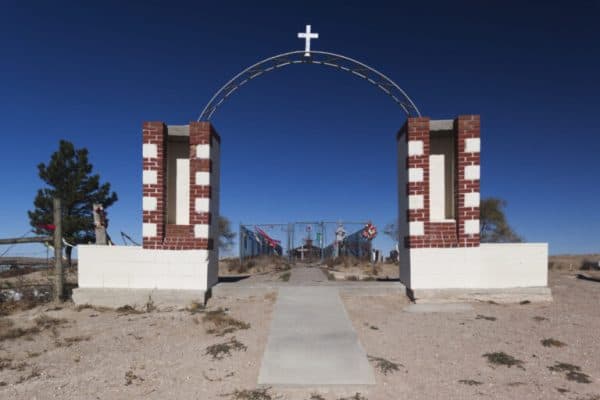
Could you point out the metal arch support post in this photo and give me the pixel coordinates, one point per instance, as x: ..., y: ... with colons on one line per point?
x: 338, y: 61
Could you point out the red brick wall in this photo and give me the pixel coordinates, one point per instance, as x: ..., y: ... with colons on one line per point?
x: 440, y: 234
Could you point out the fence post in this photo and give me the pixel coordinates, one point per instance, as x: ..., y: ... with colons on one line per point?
x: 58, y: 266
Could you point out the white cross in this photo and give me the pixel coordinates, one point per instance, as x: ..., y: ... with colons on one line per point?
x: 307, y: 36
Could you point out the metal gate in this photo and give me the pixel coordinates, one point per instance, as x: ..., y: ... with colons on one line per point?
x: 304, y: 241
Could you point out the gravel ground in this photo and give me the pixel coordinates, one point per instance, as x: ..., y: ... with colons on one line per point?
x: 99, y: 354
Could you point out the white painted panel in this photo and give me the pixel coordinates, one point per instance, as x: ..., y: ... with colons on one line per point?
x: 488, y: 266
x: 182, y: 212
x: 415, y: 174
x: 437, y: 188
x: 415, y: 202
x: 149, y: 150
x: 472, y: 145
x: 415, y: 147
x: 472, y: 199
x: 149, y: 203
x: 149, y: 230
x: 201, y: 231
x: 202, y: 204
x: 202, y: 178
x: 149, y: 177
x: 416, y: 228
x: 202, y: 151
x: 472, y: 172
x: 137, y: 268
x: 471, y: 226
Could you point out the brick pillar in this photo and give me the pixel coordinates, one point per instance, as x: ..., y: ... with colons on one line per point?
x: 154, y: 184
x: 204, y: 184
x: 417, y: 163
x: 468, y: 147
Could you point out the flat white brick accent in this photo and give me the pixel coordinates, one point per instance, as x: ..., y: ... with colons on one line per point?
x: 202, y: 178
x: 415, y: 147
x: 415, y: 174
x: 149, y: 230
x: 416, y: 228
x: 149, y: 203
x: 201, y: 231
x: 472, y: 145
x: 415, y: 201
x: 203, y: 151
x: 149, y: 150
x: 472, y: 172
x: 472, y: 199
x: 471, y: 226
x: 202, y: 204
x: 149, y: 177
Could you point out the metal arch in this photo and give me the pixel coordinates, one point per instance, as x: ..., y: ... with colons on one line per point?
x: 333, y: 60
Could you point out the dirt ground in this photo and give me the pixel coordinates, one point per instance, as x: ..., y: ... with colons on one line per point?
x: 102, y: 354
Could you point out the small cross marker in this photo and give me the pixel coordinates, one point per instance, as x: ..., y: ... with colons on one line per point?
x: 307, y: 36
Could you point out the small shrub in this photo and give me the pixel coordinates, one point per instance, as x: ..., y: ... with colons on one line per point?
x: 195, y: 307
x: 551, y: 342
x: 220, y: 350
x: 589, y: 265
x: 46, y: 322
x: 501, y: 358
x: 70, y: 341
x: 479, y: 316
x: 537, y: 318
x: 316, y: 396
x: 220, y: 324
x: 524, y: 302
x: 383, y: 365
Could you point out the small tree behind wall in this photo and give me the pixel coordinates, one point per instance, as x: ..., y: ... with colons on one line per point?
x: 493, y: 224
x: 68, y: 176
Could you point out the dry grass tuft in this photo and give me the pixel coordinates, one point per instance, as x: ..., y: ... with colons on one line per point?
x: 44, y: 321
x: 316, y: 396
x: 285, y: 277
x: 127, y: 310
x: 220, y: 324
x: 130, y: 378
x: 255, y: 394
x: 220, y: 350
x: 470, y: 382
x: 537, y: 318
x: 70, y: 341
x: 82, y: 307
x: 195, y: 307
x: 551, y: 342
x: 385, y: 366
x: 573, y: 372
x: 479, y: 316
x: 357, y: 396
x: 501, y: 358
x: 35, y: 372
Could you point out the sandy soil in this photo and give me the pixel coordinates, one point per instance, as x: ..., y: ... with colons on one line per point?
x: 437, y: 351
x: 162, y: 353
x: 159, y: 355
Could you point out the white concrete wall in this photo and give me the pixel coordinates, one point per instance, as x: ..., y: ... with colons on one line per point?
x: 133, y: 267
x: 490, y: 266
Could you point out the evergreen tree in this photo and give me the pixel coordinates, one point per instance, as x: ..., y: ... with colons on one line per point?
x: 68, y: 176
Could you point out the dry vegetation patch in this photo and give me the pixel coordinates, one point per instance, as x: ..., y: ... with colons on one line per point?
x: 551, y: 342
x: 470, y: 382
x: 385, y: 366
x: 501, y: 358
x: 573, y: 372
x: 221, y: 324
x: 254, y: 394
x: 220, y: 350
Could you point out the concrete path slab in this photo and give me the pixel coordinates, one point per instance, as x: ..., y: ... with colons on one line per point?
x: 438, y: 308
x: 312, y: 342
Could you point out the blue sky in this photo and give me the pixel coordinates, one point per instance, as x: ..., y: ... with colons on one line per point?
x: 309, y: 143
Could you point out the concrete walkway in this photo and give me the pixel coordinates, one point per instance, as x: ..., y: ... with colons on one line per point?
x: 312, y: 341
